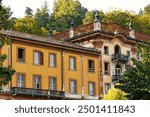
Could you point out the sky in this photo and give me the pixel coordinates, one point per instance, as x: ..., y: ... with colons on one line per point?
x: 18, y: 6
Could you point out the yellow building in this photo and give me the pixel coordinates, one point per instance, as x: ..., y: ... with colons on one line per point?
x: 51, y: 69
x: 80, y: 63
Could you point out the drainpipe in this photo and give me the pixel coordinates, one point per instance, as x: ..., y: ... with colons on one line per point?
x: 99, y: 77
x: 10, y: 61
x: 82, y: 77
x: 62, y: 69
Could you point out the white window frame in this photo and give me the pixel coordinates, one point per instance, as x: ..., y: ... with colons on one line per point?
x: 52, y: 60
x: 20, y: 80
x: 37, y: 82
x: 37, y: 56
x: 91, y: 88
x: 73, y: 87
x: 53, y: 83
x: 72, y: 62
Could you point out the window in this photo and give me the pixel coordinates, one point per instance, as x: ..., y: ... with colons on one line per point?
x: 20, y: 80
x: 21, y: 55
x: 73, y: 87
x: 38, y: 58
x: 128, y: 54
x: 37, y: 82
x: 117, y: 50
x: 52, y: 83
x: 106, y: 68
x: 52, y: 60
x: 91, y: 89
x: 91, y: 65
x: 72, y: 62
x: 107, y: 87
x: 106, y: 50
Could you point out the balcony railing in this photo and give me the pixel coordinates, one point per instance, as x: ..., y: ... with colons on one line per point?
x: 116, y: 77
x: 37, y: 92
x: 120, y: 58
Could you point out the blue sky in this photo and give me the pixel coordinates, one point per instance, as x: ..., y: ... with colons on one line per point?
x: 18, y: 6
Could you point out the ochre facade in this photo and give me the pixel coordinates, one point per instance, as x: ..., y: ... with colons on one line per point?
x: 89, y: 60
x: 81, y: 75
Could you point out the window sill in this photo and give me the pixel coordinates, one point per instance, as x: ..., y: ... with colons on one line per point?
x: 37, y: 65
x: 72, y: 70
x: 21, y: 62
x: 91, y: 72
x: 52, y: 67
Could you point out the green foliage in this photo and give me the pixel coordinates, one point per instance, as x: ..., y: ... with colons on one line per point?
x: 115, y: 94
x: 25, y: 24
x: 136, y: 80
x: 90, y: 16
x: 29, y: 11
x: 146, y: 10
x: 142, y: 23
x: 66, y: 10
x: 5, y: 72
x: 5, y: 13
x: 45, y: 23
x: 118, y: 16
x: 36, y: 24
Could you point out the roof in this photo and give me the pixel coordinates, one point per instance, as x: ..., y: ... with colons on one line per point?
x: 47, y: 41
x: 108, y: 28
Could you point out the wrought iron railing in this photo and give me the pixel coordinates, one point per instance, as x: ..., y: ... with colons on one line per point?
x: 119, y: 57
x: 37, y: 92
x: 116, y: 77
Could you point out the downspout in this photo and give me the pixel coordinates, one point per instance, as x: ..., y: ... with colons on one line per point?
x: 82, y: 77
x: 99, y: 77
x: 62, y: 70
x: 10, y: 61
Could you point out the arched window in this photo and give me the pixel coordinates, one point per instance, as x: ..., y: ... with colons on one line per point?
x: 117, y: 50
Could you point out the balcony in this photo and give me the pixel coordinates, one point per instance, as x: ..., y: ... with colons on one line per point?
x: 116, y: 77
x: 37, y: 92
x: 119, y: 58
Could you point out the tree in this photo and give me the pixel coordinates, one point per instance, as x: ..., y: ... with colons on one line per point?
x: 25, y: 24
x: 142, y: 23
x: 38, y: 24
x: 64, y: 11
x: 90, y: 16
x: 5, y: 13
x: 6, y: 72
x: 147, y: 10
x: 29, y: 11
x: 136, y: 80
x: 42, y: 19
x: 118, y: 16
x: 115, y: 94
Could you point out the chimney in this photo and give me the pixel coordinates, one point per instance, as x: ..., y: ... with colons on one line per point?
x: 97, y: 24
x: 71, y: 29
x: 131, y: 32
